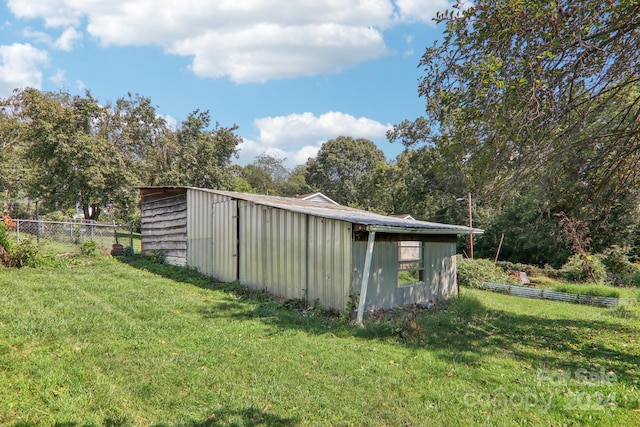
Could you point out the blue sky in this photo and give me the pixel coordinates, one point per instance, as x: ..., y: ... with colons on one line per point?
x: 290, y: 73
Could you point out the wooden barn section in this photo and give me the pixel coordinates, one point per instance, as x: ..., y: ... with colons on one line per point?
x: 302, y: 249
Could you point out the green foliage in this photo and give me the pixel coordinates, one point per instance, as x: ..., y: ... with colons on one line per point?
x: 26, y: 254
x: 407, y: 276
x: 472, y: 272
x: 75, y: 164
x: 158, y: 256
x: 128, y: 251
x: 537, y: 100
x: 199, y: 156
x: 7, y: 238
x: 591, y: 290
x: 531, y: 233
x: 267, y: 174
x: 634, y: 279
x: 620, y: 269
x: 88, y: 248
x: 585, y: 268
x: 342, y: 169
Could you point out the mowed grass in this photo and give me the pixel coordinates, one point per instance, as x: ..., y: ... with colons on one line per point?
x: 99, y: 341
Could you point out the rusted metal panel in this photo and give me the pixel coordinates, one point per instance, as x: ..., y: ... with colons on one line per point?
x: 329, y: 262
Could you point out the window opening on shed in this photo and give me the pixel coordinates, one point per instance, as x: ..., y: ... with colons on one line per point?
x: 410, y: 263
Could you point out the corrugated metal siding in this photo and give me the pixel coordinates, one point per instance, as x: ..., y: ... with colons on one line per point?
x: 200, y: 231
x: 272, y: 250
x: 440, y: 261
x: 225, y: 241
x: 164, y: 226
x: 384, y: 292
x: 329, y: 258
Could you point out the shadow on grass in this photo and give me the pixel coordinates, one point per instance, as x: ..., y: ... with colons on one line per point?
x: 246, y: 417
x: 461, y: 331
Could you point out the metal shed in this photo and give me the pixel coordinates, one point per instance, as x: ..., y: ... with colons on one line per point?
x: 302, y: 249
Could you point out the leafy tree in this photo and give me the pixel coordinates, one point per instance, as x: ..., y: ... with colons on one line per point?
x: 13, y: 171
x: 135, y: 128
x: 519, y: 83
x: 342, y: 169
x: 199, y: 156
x: 75, y: 164
x: 296, y: 182
x: 538, y: 101
x: 267, y: 174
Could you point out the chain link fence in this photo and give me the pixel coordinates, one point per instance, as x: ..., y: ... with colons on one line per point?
x: 107, y: 236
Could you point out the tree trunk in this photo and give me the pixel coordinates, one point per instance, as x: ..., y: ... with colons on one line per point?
x: 91, y: 212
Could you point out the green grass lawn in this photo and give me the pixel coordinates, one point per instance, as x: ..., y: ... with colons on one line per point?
x: 99, y: 341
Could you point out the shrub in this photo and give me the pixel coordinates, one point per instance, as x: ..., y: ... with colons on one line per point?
x: 619, y: 268
x: 584, y: 268
x: 6, y: 237
x: 88, y: 248
x: 158, y: 256
x: 472, y: 272
x: 634, y: 279
x: 26, y: 254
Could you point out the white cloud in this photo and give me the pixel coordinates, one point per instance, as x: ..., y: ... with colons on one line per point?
x: 20, y: 67
x: 421, y: 10
x: 306, y: 128
x: 55, y: 13
x: 244, y: 40
x: 249, y: 150
x: 58, y: 78
x: 172, y: 123
x: 270, y: 51
x: 80, y: 85
x: 297, y: 137
x: 67, y: 39
x: 36, y: 36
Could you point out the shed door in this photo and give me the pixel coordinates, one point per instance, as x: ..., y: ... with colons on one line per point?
x: 225, y: 240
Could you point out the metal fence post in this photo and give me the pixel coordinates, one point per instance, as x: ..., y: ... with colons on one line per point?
x: 131, y: 237
x: 17, y: 231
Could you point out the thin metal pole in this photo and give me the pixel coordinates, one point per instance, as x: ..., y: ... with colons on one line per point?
x: 470, y: 226
x: 38, y: 224
x: 131, y: 237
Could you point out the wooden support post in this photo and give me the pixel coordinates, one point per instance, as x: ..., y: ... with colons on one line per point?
x: 365, y: 276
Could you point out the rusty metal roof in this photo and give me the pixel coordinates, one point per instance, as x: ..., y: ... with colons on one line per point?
x: 373, y: 220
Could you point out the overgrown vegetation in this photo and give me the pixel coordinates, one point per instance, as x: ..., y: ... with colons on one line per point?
x: 613, y: 268
x: 88, y: 248
x: 472, y: 272
x: 23, y: 254
x: 592, y: 290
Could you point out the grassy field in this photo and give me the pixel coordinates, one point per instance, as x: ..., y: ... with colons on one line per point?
x: 100, y: 341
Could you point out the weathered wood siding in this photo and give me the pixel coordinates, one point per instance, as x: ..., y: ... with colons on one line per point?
x: 164, y: 224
